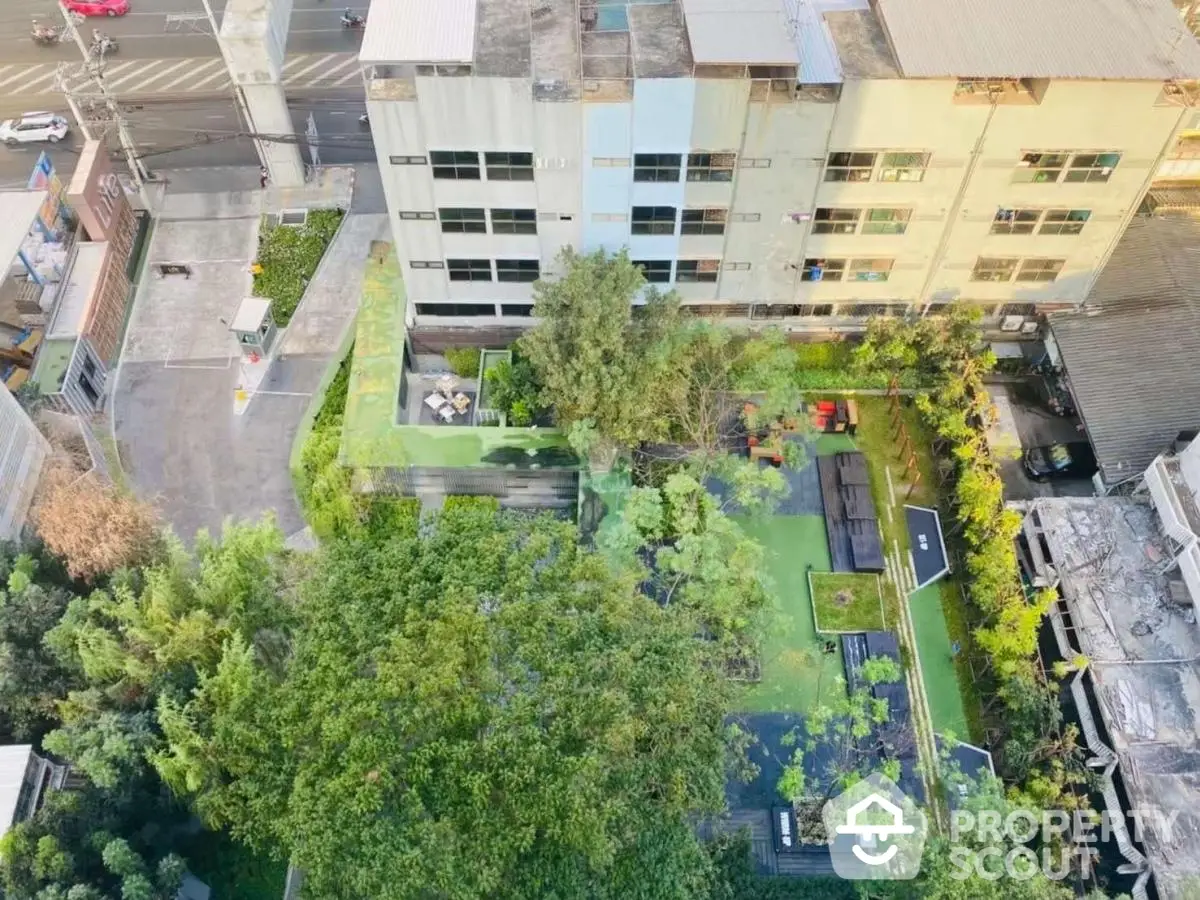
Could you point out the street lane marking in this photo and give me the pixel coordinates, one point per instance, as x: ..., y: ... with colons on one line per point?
x: 219, y: 63
x: 23, y: 74
x: 328, y: 58
x: 221, y: 73
x: 328, y: 73
x: 346, y: 78
x: 141, y: 85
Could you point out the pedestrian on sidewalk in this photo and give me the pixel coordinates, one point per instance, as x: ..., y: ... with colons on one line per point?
x: 263, y: 174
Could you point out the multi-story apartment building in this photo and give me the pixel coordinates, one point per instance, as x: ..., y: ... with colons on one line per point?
x: 812, y: 162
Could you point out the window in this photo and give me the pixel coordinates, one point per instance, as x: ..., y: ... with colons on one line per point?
x: 746, y: 217
x: 1036, y: 167
x: 885, y: 221
x: 869, y: 269
x: 1064, y: 221
x: 749, y: 162
x: 657, y: 166
x: 462, y: 220
x: 697, y: 269
x: 866, y: 310
x: 461, y: 165
x: 704, y: 221
x: 849, y: 166
x: 469, y: 269
x: 652, y: 220
x: 903, y: 166
x: 789, y: 310
x: 611, y: 162
x: 1040, y: 269
x: 993, y: 269
x: 407, y: 160
x: 823, y: 270
x: 517, y: 269
x: 425, y: 264
x: 1015, y: 221
x: 1089, y: 167
x: 711, y: 166
x: 509, y: 166
x: 829, y: 220
x: 736, y: 267
x: 656, y: 271
x: 833, y: 220
x: 456, y: 309
x: 610, y: 217
x: 892, y: 166
x: 1018, y: 309
x: 516, y: 309
x: 417, y: 215
x: 514, y: 221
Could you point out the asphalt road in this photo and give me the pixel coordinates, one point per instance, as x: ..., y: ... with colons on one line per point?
x: 146, y: 33
x: 175, y: 133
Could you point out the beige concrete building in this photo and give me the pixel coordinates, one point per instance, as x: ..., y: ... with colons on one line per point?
x: 807, y: 162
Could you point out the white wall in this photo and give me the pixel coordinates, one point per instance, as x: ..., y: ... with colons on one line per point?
x: 23, y: 450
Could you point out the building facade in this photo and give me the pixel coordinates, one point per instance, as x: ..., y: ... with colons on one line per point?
x: 807, y: 162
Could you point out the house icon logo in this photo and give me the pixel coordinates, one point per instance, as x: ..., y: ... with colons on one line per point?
x: 875, y: 831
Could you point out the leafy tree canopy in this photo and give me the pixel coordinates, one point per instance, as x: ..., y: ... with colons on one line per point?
x: 481, y: 709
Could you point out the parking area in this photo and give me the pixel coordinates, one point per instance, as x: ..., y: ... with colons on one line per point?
x: 1024, y: 421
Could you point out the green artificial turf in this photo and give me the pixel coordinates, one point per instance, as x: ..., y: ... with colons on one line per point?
x: 846, y: 602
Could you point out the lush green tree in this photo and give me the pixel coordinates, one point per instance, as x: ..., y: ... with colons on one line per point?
x: 32, y: 677
x: 105, y: 745
x: 514, y: 389
x: 596, y: 355
x: 481, y: 709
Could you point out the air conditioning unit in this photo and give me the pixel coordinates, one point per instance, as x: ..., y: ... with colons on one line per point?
x: 1012, y: 323
x: 1029, y: 328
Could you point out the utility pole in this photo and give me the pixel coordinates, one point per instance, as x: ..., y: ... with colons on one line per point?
x: 238, y: 95
x: 94, y: 68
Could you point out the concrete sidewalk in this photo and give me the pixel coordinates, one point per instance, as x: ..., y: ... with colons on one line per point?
x: 172, y: 401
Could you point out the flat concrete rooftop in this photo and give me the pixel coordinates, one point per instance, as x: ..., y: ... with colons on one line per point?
x: 1143, y: 651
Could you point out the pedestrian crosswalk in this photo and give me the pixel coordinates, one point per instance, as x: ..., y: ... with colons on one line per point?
x: 206, y: 75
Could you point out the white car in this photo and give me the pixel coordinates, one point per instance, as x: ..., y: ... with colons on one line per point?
x: 34, y: 127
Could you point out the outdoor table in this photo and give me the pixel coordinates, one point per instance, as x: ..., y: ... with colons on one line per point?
x: 435, y: 401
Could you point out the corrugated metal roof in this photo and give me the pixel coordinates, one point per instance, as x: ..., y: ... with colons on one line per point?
x: 1103, y: 39
x: 1133, y: 363
x: 429, y: 31
x: 753, y: 33
x: 14, y: 760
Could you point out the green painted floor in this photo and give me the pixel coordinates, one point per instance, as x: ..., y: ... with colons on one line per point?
x: 937, y: 662
x: 795, y: 672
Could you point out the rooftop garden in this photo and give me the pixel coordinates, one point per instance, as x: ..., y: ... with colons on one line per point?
x: 374, y: 436
x: 288, y: 257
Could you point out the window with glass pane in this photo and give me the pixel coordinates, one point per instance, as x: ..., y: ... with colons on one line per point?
x: 509, y: 166
x: 823, y: 270
x: 1091, y: 167
x: 462, y: 165
x: 1040, y: 269
x: 885, y: 221
x: 830, y: 220
x: 903, y: 166
x: 870, y: 269
x: 657, y: 166
x: 866, y: 310
x: 1064, y: 221
x: 697, y: 269
x: 456, y: 309
x: 1015, y: 221
x: 514, y: 221
x: 845, y: 166
x: 989, y: 268
x: 704, y: 221
x: 711, y: 166
x: 652, y: 220
x: 656, y: 271
x: 516, y: 309
x: 457, y: 220
x: 517, y: 269
x: 469, y: 269
x: 1039, y: 168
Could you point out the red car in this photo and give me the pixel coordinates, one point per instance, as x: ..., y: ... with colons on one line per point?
x: 97, y: 7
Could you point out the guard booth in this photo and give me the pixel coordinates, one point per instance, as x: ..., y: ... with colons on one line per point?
x: 254, y: 328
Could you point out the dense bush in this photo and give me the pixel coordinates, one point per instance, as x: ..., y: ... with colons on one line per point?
x: 464, y: 361
x: 513, y: 389
x: 289, y: 257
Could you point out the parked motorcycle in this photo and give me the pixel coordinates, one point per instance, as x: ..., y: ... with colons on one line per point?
x: 45, y: 35
x: 350, y: 20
